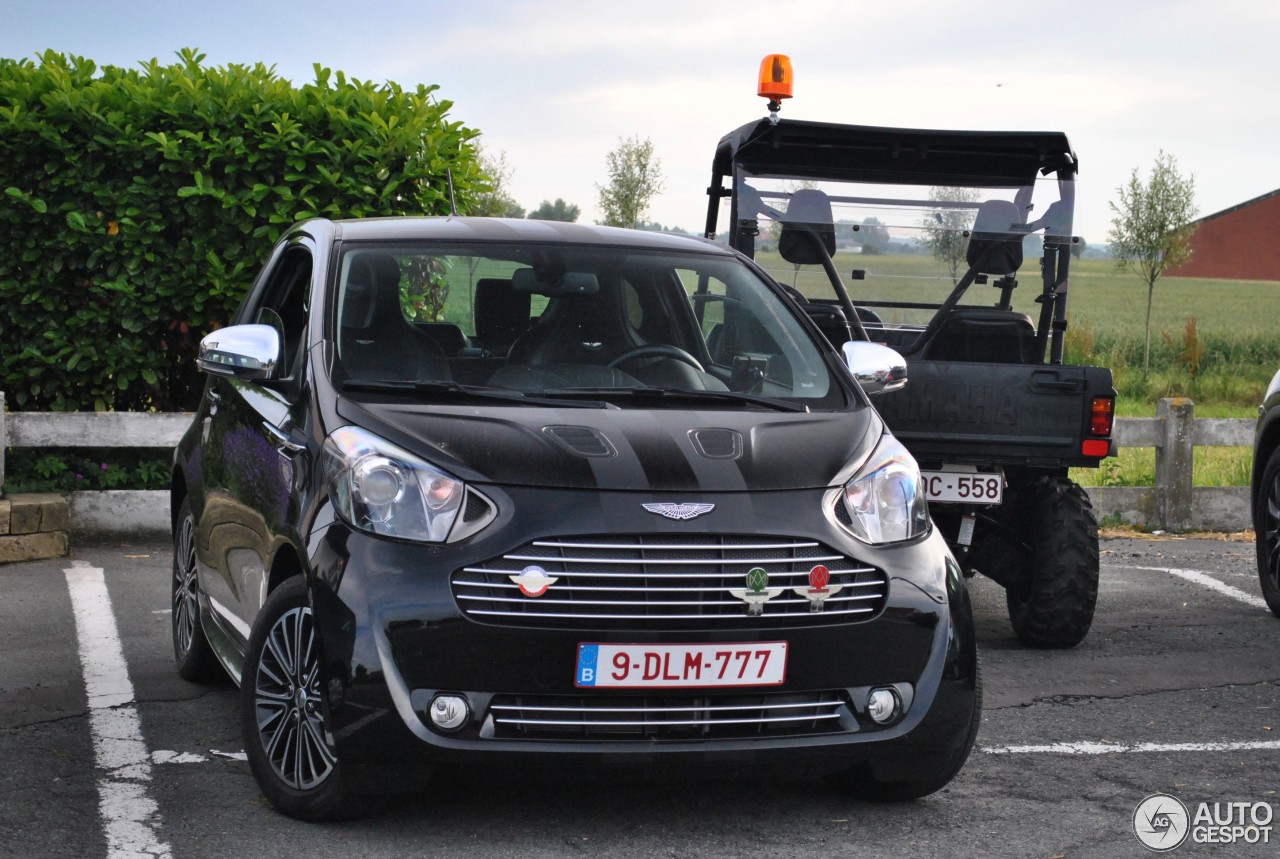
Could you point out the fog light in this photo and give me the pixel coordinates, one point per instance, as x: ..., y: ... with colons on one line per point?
x: 883, y: 705
x: 449, y: 712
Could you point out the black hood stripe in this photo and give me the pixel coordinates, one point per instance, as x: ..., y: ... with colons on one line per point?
x: 665, y: 465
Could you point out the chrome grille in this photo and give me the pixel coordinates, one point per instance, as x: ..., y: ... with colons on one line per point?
x: 660, y: 717
x: 649, y: 581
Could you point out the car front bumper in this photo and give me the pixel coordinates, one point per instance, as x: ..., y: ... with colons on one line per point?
x: 395, y: 635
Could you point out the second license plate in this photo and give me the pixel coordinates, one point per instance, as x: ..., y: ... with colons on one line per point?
x: 963, y: 487
x: 676, y: 666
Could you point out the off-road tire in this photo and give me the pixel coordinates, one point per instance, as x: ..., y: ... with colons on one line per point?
x: 284, y: 733
x: 1053, y: 603
x: 191, y: 651
x: 1267, y: 522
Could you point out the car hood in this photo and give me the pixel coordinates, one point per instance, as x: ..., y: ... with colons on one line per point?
x: 627, y: 449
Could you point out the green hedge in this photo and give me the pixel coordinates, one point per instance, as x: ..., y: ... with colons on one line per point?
x: 139, y: 203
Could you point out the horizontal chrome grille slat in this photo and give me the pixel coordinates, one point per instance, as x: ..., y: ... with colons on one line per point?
x: 614, y: 588
x: 544, y: 559
x: 800, y: 574
x: 780, y: 600
x: 701, y: 617
x: 639, y: 581
x: 675, y: 716
x: 681, y: 547
x: 665, y: 722
x: 702, y: 708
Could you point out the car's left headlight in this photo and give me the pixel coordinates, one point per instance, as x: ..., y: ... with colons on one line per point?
x: 885, y: 499
x: 383, y: 489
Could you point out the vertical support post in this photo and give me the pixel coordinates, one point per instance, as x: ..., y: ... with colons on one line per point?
x: 4, y: 442
x: 1174, y: 463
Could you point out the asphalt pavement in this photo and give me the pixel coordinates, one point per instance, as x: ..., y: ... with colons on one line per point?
x: 106, y: 752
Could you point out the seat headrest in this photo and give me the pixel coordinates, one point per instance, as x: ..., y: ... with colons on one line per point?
x: 373, y: 287
x: 996, y: 244
x: 501, y: 313
x: 808, y: 213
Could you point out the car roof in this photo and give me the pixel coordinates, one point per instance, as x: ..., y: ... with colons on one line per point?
x: 455, y: 228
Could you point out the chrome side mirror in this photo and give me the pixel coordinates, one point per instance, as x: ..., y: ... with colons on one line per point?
x: 240, y: 352
x: 877, y: 368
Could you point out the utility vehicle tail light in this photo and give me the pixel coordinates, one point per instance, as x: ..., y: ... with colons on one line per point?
x: 1101, y: 416
x: 775, y: 77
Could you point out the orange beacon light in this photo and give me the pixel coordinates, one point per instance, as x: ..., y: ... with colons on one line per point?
x: 775, y: 82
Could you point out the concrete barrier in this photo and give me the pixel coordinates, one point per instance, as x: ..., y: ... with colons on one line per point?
x: 1172, y: 504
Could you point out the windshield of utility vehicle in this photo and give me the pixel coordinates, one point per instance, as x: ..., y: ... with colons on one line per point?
x: 564, y: 321
x: 902, y: 249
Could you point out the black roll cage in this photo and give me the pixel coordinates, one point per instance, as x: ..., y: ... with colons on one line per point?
x: 868, y: 154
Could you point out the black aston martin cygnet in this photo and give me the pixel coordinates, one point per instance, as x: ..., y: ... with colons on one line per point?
x: 618, y: 501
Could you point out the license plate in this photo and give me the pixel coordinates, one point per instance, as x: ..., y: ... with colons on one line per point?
x: 681, y: 666
x: 963, y: 487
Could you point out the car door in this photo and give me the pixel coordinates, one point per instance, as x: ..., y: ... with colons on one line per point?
x: 249, y: 450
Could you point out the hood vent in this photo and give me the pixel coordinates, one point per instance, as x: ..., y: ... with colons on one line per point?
x: 717, y: 443
x: 581, y: 441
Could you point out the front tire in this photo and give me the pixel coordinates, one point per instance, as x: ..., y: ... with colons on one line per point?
x: 191, y: 650
x: 283, y: 714
x: 1267, y: 520
x: 1052, y: 603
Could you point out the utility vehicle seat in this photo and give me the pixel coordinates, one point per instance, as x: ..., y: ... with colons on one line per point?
x: 984, y: 334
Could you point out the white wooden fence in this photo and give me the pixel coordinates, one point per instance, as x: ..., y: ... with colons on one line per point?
x: 1171, y: 504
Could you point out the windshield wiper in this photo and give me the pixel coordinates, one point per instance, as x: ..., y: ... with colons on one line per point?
x: 683, y: 394
x: 479, y: 392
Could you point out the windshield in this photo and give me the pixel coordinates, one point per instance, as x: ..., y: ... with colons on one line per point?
x: 563, y: 320
x: 902, y: 249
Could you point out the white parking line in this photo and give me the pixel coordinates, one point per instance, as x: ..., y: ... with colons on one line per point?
x: 130, y: 816
x: 1123, y: 748
x: 1207, y: 581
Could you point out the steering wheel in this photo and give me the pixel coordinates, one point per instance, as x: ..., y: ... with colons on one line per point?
x: 657, y: 350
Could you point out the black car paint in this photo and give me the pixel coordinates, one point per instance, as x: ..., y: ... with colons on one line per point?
x: 378, y: 599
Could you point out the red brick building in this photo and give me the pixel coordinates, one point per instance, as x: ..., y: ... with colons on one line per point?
x: 1242, y: 242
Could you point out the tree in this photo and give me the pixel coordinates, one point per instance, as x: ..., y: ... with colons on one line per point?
x: 557, y: 211
x: 635, y: 178
x: 873, y: 236
x: 1151, y: 230
x: 496, y: 201
x: 946, y: 229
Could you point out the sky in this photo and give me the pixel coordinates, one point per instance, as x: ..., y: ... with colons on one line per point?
x: 554, y: 86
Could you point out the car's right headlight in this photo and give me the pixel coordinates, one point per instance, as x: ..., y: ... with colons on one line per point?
x: 885, y: 499
x: 385, y: 490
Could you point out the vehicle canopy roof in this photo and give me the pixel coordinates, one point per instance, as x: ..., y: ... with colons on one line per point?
x: 863, y: 153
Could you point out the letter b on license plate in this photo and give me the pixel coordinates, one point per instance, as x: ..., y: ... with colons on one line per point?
x: 681, y: 666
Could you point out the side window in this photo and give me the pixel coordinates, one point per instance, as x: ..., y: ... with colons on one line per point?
x: 284, y: 306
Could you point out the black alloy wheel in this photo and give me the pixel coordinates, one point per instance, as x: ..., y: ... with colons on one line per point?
x: 191, y: 650
x: 283, y: 714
